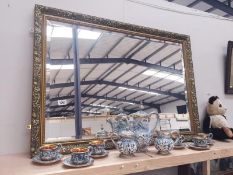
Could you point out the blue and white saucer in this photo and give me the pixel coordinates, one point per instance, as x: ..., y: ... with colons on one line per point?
x: 36, y: 159
x: 100, y: 155
x: 182, y: 146
x: 192, y: 146
x: 67, y: 162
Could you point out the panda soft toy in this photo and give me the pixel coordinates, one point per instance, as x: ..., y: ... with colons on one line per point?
x: 215, y: 121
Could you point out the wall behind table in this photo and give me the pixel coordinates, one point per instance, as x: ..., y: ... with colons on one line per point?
x: 209, y: 38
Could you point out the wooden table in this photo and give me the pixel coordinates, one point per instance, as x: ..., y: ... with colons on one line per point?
x: 21, y: 164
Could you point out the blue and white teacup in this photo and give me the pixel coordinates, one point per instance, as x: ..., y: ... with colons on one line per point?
x: 80, y: 155
x: 209, y: 137
x: 179, y: 140
x: 200, y: 141
x: 97, y: 147
x: 49, y: 152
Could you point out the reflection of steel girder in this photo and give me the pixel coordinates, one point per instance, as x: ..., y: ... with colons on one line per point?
x: 116, y: 60
x: 107, y: 98
x: 121, y: 75
x: 67, y: 113
x: 121, y: 100
x: 87, y: 106
x: 61, y: 85
x: 64, y: 112
x: 179, y: 96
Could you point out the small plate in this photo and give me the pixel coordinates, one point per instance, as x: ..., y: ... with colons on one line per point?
x: 68, y: 163
x: 36, y: 159
x: 100, y: 155
x: 182, y: 146
x: 192, y: 146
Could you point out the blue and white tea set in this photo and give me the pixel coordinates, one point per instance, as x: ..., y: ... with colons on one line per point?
x: 133, y: 134
x: 130, y: 134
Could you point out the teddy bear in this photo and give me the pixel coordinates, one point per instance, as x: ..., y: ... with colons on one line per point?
x: 215, y: 121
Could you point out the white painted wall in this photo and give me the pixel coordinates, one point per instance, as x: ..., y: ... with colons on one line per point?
x: 209, y: 38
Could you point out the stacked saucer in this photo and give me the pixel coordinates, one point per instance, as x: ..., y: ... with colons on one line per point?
x: 195, y: 147
x: 80, y: 157
x: 200, y: 143
x: 37, y: 159
x: 68, y: 162
x: 104, y: 154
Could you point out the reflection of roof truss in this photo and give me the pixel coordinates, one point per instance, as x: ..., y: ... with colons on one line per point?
x: 107, y: 98
x: 116, y: 60
x: 111, y: 53
x: 121, y: 100
x: 137, y: 88
x: 85, y: 106
x: 68, y: 113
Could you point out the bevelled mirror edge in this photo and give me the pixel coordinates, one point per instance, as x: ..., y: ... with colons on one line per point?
x: 38, y: 95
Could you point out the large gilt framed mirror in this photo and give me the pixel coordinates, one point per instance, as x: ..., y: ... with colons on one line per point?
x: 87, y: 69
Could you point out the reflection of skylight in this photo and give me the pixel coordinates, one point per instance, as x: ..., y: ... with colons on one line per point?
x: 66, y: 32
x: 87, y: 34
x: 147, y: 92
x: 59, y: 32
x: 55, y: 67
x: 164, y: 75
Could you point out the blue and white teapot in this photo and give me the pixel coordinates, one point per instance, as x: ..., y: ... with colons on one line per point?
x: 126, y: 143
x: 164, y: 143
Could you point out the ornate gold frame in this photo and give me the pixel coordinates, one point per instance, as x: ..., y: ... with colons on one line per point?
x: 38, y: 96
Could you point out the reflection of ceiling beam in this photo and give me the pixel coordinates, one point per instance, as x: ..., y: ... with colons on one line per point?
x: 105, y: 55
x: 220, y: 5
x: 121, y: 100
x: 145, y: 59
x: 115, y: 60
x: 91, y: 107
x: 168, y: 56
x: 168, y: 102
x: 129, y: 61
x: 69, y: 113
x: 114, y: 66
x: 194, y: 3
x: 62, y: 85
x: 133, y: 87
x: 106, y: 98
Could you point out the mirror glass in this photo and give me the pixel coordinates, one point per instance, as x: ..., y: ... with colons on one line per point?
x: 119, y: 73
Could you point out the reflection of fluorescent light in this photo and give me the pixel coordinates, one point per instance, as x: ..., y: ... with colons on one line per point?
x: 92, y: 112
x: 130, y: 103
x: 87, y: 34
x: 152, y: 93
x: 66, y: 32
x: 95, y: 105
x: 55, y: 67
x: 164, y: 75
x: 59, y: 32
